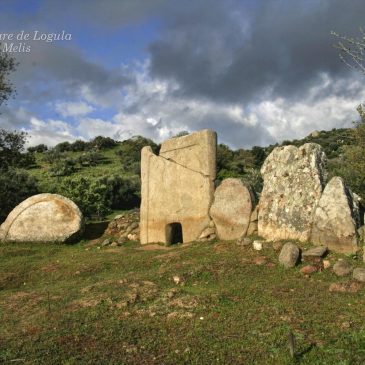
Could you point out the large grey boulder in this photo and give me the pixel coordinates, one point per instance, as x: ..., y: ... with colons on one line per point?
x: 231, y: 209
x: 43, y: 218
x: 334, y: 223
x: 293, y: 183
x: 289, y: 255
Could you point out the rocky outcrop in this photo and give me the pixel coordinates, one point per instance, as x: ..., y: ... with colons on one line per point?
x: 334, y: 223
x: 293, y: 183
x: 43, y: 218
x: 124, y: 227
x: 177, y: 188
x: 231, y: 210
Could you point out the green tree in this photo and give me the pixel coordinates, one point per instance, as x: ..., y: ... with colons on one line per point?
x: 40, y: 148
x: 11, y: 148
x: 15, y: 186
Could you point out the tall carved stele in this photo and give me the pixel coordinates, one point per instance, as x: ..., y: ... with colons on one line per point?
x: 178, y: 188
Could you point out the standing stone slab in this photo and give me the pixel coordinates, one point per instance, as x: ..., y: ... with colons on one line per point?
x: 231, y: 210
x: 177, y: 188
x: 43, y: 218
x: 333, y: 223
x: 293, y: 184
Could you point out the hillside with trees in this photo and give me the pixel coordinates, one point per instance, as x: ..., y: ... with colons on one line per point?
x: 103, y: 175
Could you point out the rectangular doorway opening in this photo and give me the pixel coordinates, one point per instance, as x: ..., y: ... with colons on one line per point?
x: 174, y: 233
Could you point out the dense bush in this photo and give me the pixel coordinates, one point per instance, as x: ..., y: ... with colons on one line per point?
x: 64, y: 167
x: 130, y: 152
x: 102, y: 143
x: 39, y: 148
x: 89, y: 194
x: 79, y: 146
x: 122, y: 192
x: 15, y: 186
x: 90, y: 158
x: 62, y: 147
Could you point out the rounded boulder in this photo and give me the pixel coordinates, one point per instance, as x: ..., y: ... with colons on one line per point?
x: 43, y: 218
x: 231, y: 210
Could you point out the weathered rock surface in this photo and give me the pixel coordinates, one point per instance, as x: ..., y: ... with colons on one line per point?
x: 293, y: 184
x: 43, y: 218
x: 314, y: 252
x: 231, y: 210
x: 358, y: 209
x: 208, y: 234
x: 333, y: 222
x: 177, y: 188
x: 342, y: 268
x: 254, y: 222
x: 361, y: 233
x: 124, y: 225
x: 359, y: 274
x: 289, y: 255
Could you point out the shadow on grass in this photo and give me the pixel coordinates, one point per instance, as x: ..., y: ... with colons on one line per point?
x: 94, y: 230
x: 298, y: 357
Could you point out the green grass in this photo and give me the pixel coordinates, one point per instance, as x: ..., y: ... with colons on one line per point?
x: 79, y: 304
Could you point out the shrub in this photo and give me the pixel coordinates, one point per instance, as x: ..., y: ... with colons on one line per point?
x: 64, y: 167
x: 102, y: 143
x: 122, y: 192
x: 62, y: 147
x: 89, y: 194
x: 79, y: 146
x: 90, y: 158
x: 39, y: 148
x: 15, y: 186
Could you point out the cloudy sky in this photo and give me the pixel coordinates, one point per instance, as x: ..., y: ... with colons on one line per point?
x: 255, y: 71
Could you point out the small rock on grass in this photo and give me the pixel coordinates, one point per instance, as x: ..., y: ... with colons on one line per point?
x: 289, y: 255
x: 257, y: 245
x: 352, y: 287
x: 342, y: 268
x: 326, y: 264
x: 106, y: 242
x: 308, y: 269
x: 244, y: 241
x: 318, y: 251
x: 359, y: 274
x: 260, y: 260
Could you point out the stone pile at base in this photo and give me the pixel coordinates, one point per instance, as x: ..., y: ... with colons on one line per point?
x: 124, y: 227
x: 43, y: 218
